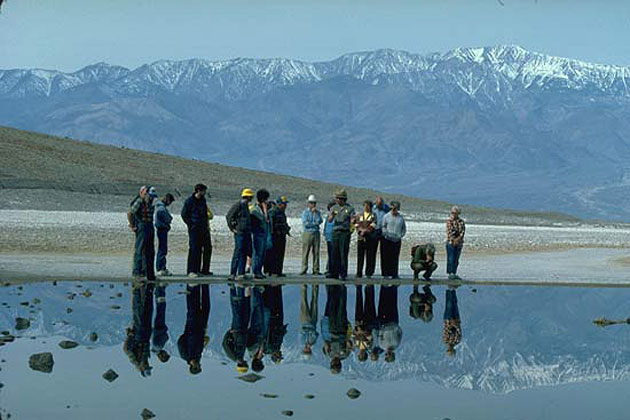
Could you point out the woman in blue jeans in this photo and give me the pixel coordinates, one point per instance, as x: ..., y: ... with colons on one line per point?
x: 260, y: 231
x: 455, y: 231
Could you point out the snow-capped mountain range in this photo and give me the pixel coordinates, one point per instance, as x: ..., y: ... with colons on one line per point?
x: 491, y: 71
x: 496, y: 126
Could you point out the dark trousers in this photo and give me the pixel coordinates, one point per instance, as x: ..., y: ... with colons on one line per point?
x: 242, y: 247
x: 199, y: 248
x: 451, y: 310
x: 365, y: 310
x: 379, y: 244
x: 388, y: 304
x: 162, y: 235
x: 452, y: 258
x: 259, y: 251
x: 340, y: 250
x: 274, y: 263
x: 328, y: 255
x: 366, y: 252
x: 390, y: 254
x: 144, y: 251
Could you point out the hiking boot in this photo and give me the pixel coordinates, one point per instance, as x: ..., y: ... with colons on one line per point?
x: 317, y: 273
x: 259, y: 276
x: 193, y: 275
x: 281, y: 275
x: 231, y: 277
x: 456, y: 277
x: 452, y: 276
x: 207, y: 273
x: 303, y: 273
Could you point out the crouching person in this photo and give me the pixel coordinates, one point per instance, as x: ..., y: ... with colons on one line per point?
x: 422, y: 259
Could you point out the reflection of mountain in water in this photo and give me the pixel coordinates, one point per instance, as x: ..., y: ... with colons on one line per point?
x: 513, y: 338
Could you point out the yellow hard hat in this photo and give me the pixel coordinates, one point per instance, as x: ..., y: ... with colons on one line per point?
x: 247, y: 192
x: 241, y: 369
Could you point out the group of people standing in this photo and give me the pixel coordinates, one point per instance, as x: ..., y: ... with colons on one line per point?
x: 260, y: 229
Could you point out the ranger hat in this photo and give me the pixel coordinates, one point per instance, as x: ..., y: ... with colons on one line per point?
x: 341, y: 194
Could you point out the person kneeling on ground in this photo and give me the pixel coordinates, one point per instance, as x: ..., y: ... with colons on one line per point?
x: 422, y: 259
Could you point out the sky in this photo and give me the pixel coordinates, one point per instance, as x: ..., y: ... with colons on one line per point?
x: 69, y: 34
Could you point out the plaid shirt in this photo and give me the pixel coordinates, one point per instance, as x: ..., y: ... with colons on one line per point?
x: 455, y: 229
x: 452, y: 333
x: 142, y: 211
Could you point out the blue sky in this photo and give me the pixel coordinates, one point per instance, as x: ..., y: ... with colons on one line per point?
x: 69, y: 34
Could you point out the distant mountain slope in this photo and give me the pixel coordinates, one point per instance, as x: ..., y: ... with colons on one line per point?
x: 497, y: 126
x: 99, y: 177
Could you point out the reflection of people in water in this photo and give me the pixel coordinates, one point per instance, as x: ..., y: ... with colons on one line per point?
x: 234, y: 340
x: 421, y: 304
x: 192, y: 342
x: 452, y: 333
x: 335, y: 327
x: 137, y: 343
x: 160, y: 330
x: 364, y: 321
x: 389, y: 332
x: 257, y: 332
x: 274, y: 322
x: 308, y: 319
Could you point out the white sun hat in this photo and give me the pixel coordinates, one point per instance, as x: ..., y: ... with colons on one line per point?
x: 312, y: 199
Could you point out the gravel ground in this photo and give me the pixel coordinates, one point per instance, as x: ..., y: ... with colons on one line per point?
x: 34, y: 231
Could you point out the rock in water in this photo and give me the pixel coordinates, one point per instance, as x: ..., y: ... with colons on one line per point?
x: 93, y: 337
x: 110, y: 375
x: 68, y: 344
x: 269, y: 395
x: 287, y: 413
x: 250, y: 377
x: 42, y: 362
x: 309, y: 396
x: 22, y: 323
x: 147, y: 414
x: 353, y: 393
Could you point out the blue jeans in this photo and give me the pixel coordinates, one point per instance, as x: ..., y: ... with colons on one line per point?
x: 242, y: 247
x: 451, y: 310
x: 452, y: 258
x: 258, y: 255
x: 144, y: 251
x: 162, y: 235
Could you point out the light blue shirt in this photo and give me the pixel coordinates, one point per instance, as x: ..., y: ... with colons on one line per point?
x: 311, y: 220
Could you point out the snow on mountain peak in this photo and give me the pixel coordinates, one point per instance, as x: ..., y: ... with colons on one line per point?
x: 503, y: 67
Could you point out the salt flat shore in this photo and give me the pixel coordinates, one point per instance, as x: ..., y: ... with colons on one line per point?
x: 88, y: 244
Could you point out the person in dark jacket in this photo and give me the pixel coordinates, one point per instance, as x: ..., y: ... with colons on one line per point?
x: 195, y: 215
x: 423, y: 259
x: 192, y: 342
x: 240, y: 224
x: 261, y: 226
x: 341, y: 216
x: 280, y: 229
x: 140, y: 218
x: 328, y: 229
x: 163, y: 219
